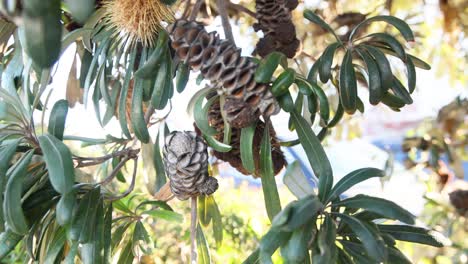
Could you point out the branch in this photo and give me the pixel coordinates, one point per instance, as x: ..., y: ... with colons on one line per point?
x: 241, y: 8
x: 91, y: 161
x: 132, y: 184
x: 193, y: 231
x: 225, y: 20
x: 196, y: 9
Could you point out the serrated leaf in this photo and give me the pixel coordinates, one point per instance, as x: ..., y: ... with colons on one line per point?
x: 270, y: 190
x: 348, y: 84
x: 365, y: 236
x: 167, y: 215
x: 414, y: 234
x: 385, y: 208
x: 59, y: 163
x: 296, y: 181
x: 326, y: 61
x: 267, y: 67
x: 399, y: 24
x: 57, y: 119
x: 352, y: 179
x: 315, y: 154
x: 202, y: 247
x: 13, y: 212
x: 246, y: 147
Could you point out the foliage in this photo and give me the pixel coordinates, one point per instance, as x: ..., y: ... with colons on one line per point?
x: 60, y: 209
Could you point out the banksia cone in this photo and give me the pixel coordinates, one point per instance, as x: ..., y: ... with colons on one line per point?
x: 220, y: 61
x: 186, y: 163
x: 459, y: 200
x: 233, y: 157
x: 274, y: 19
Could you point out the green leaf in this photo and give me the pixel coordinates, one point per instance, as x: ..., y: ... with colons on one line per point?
x: 323, y: 100
x: 253, y: 258
x: 390, y: 41
x: 298, y: 213
x: 396, y: 256
x: 42, y: 31
x: 386, y: 75
x: 182, y: 77
x: 337, y: 117
x: 81, y: 10
x: 163, y: 84
x: 304, y: 86
x: 312, y: 17
x: 70, y: 259
x: 326, y: 61
x: 392, y: 101
x: 59, y: 163
x: 8, y: 241
x: 137, y: 115
x: 57, y: 119
x: 296, y: 249
x: 267, y: 67
x: 246, y: 147
x: 385, y: 208
x: 364, y: 234
x: 399, y: 24
x: 117, y: 235
x: 107, y: 233
x: 286, y: 102
x: 13, y: 212
x: 358, y: 252
x: 140, y: 234
x: 348, y: 84
x: 271, y: 241
x: 281, y: 85
x: 167, y: 215
x: 64, y: 211
x: 375, y: 89
x: 414, y: 234
x: 400, y: 91
x: 56, y: 245
x: 417, y: 62
x: 83, y: 217
x: 270, y: 190
x: 126, y: 255
x: 123, y: 95
x: 217, y: 222
x: 352, y: 179
x: 7, y: 151
x: 315, y: 154
x: 326, y: 242
x: 411, y: 73
x: 216, y: 145
x: 204, y: 213
x: 202, y: 247
x: 156, y: 58
x: 200, y: 114
x: 159, y: 166
x: 296, y: 181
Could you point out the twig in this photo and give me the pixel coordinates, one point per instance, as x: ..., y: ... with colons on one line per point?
x: 196, y: 9
x: 225, y: 20
x: 193, y: 231
x: 82, y: 161
x: 241, y: 8
x: 115, y: 171
x: 132, y: 184
x: 186, y: 9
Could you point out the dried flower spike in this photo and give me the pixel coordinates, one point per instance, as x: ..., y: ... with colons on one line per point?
x: 186, y: 162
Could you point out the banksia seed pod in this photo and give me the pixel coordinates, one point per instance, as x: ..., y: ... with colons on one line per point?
x: 274, y: 19
x: 220, y: 61
x: 233, y: 157
x: 186, y: 162
x: 459, y: 200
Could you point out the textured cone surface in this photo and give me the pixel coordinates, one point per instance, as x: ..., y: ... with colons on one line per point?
x: 233, y: 157
x: 274, y: 19
x: 186, y: 164
x: 220, y: 61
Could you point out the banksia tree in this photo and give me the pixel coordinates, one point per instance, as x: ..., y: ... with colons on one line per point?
x: 68, y: 207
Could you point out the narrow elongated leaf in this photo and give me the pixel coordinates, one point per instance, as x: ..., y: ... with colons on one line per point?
x: 326, y: 62
x: 348, y: 84
x: 6, y: 154
x: 182, y: 77
x: 82, y: 10
x: 411, y: 74
x: 267, y: 67
x: 399, y: 24
x: 202, y: 247
x: 298, y: 213
x: 154, y: 61
x: 56, y: 245
x: 159, y: 166
x: 107, y: 236
x: 352, y: 179
x: 64, y: 211
x: 312, y: 17
x: 163, y: 83
x: 70, y: 259
x: 83, y: 217
x: 281, y: 85
x: 270, y: 190
x: 414, y: 234
x: 123, y: 95
x: 13, y: 212
x: 296, y: 181
x: 375, y: 89
x: 315, y: 154
x: 326, y: 241
x: 417, y: 62
x: 385, y: 208
x: 390, y: 41
x: 204, y: 213
x: 167, y: 215
x: 323, y: 103
x: 253, y: 258
x: 246, y: 148
x: 217, y: 222
x: 216, y: 145
x: 396, y: 256
x: 200, y: 114
x: 8, y: 241
x: 126, y: 255
x: 400, y: 91
x: 137, y: 115
x: 57, y: 119
x: 296, y: 249
x: 386, y: 75
x: 117, y: 235
x: 365, y: 235
x: 304, y: 86
x: 271, y: 241
x: 358, y: 252
x: 286, y: 102
x: 59, y: 163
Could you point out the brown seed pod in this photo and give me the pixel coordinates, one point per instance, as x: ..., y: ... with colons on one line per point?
x: 186, y: 163
x: 220, y: 61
